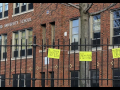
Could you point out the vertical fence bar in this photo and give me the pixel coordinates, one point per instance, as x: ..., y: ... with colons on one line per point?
x: 85, y: 64
x: 113, y: 58
x: 26, y: 62
x: 15, y: 61
x: 42, y: 61
x: 47, y: 62
x: 96, y: 62
x: 118, y: 59
x: 102, y: 64
x: 52, y: 59
x: 79, y: 63
x: 63, y: 59
x: 10, y: 60
x: 20, y: 60
x: 107, y: 60
x: 74, y: 62
x: 34, y: 61
x: 69, y: 64
x: 0, y: 55
x: 5, y: 59
x: 58, y: 67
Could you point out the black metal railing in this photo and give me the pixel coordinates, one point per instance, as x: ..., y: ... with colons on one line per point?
x: 37, y: 70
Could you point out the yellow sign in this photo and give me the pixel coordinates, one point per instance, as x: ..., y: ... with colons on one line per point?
x: 53, y: 53
x: 85, y: 56
x: 116, y: 53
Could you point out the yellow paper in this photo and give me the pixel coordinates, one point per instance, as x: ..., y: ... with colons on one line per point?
x: 116, y: 53
x: 85, y: 56
x: 54, y: 53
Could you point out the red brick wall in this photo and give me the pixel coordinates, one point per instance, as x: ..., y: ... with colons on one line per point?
x: 61, y: 17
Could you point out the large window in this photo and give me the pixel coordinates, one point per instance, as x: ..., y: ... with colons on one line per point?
x: 74, y: 29
x: 116, y: 27
x: 22, y: 7
x: 3, y: 10
x: 2, y: 80
x: 22, y: 80
x: 96, y: 30
x: 3, y: 49
x: 20, y: 38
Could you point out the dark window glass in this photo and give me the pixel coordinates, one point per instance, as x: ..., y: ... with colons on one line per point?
x: 116, y: 75
x: 74, y: 79
x: 94, y: 80
x: 43, y: 79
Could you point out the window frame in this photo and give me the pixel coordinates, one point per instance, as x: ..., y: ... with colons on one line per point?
x: 75, y: 77
x: 1, y: 80
x: 43, y: 26
x: 3, y: 10
x: 112, y: 25
x: 92, y: 74
x: 3, y: 47
x: 19, y: 42
x: 18, y: 77
x: 52, y: 33
x: 20, y: 8
x: 79, y: 32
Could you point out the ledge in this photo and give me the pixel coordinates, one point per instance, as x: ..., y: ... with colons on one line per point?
x: 28, y: 57
x: 22, y: 13
x: 4, y: 18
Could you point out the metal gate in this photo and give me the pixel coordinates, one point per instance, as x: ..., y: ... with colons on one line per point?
x: 20, y: 68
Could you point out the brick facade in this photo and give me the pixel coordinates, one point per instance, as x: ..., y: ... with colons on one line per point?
x: 61, y: 16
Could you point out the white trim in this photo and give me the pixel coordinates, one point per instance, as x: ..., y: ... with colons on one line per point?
x: 98, y: 49
x: 72, y: 52
x: 111, y: 47
x: 28, y: 57
x: 4, y: 18
x: 23, y: 13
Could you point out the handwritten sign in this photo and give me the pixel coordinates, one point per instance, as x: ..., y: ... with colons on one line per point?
x: 53, y: 53
x: 85, y: 56
x: 116, y: 53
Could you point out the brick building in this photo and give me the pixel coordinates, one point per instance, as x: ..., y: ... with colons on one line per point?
x: 50, y: 22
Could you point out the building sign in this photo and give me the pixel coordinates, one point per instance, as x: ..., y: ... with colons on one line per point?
x: 16, y: 22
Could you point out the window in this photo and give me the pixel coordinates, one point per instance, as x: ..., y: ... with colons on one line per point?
x: 44, y: 34
x: 74, y: 29
x: 3, y: 10
x: 116, y: 75
x: 3, y: 49
x: 20, y: 38
x: 43, y: 79
x: 116, y: 27
x: 53, y: 34
x: 75, y: 79
x: 52, y: 79
x: 23, y: 80
x: 2, y: 80
x: 96, y: 30
x: 22, y: 7
x: 94, y: 82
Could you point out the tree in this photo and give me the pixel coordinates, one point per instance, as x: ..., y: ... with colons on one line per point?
x: 84, y: 16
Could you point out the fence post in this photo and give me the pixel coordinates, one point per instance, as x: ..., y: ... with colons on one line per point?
x: 34, y: 60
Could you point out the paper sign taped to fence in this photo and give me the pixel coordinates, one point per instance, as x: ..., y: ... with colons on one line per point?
x: 85, y: 56
x: 53, y: 53
x: 116, y: 53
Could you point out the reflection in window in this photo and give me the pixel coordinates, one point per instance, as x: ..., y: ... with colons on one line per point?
x: 96, y: 30
x: 116, y: 28
x: 74, y: 33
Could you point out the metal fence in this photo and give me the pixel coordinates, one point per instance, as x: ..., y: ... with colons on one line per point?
x: 25, y: 67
